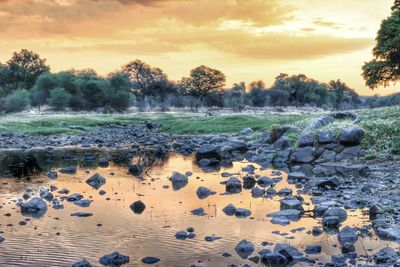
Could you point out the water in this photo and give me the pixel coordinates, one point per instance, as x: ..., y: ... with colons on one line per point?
x: 58, y: 239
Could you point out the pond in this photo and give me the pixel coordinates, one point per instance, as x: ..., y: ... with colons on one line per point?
x: 59, y: 239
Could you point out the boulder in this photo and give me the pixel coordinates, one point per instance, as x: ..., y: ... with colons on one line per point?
x: 208, y: 151
x: 233, y: 185
x: 274, y: 259
x: 326, y: 137
x: 302, y: 155
x: 135, y: 169
x: 306, y: 140
x: 340, y: 213
x: 68, y: 170
x: 292, y: 215
x: 82, y: 214
x: 246, y: 131
x: 150, y: 260
x: 242, y: 213
x: 35, y: 207
x: 82, y: 263
x: 282, y: 143
x: 178, y: 180
x: 348, y: 235
x: 52, y: 175
x: 96, y: 181
x: 83, y: 203
x: 328, y: 182
x: 351, y: 136
x: 229, y: 210
x: 313, y: 249
x: 385, y: 256
x: 290, y: 252
x: 291, y: 203
x: 244, y: 249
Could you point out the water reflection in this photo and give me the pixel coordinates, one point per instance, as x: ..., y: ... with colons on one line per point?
x: 58, y: 239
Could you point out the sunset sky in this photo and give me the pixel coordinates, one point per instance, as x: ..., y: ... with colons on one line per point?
x: 246, y: 39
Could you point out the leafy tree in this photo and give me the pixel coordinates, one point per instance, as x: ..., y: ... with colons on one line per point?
x: 385, y: 67
x: 119, y: 96
x: 59, y: 98
x: 342, y: 93
x: 94, y: 92
x: 16, y: 101
x: 25, y: 67
x: 203, y: 81
x: 41, y: 90
x: 256, y: 84
x: 142, y: 75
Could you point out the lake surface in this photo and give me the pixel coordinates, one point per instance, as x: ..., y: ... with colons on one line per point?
x: 58, y: 239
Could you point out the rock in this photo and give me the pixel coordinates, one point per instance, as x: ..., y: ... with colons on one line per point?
x: 229, y: 210
x: 306, y: 140
x: 83, y: 203
x: 348, y: 235
x: 82, y: 214
x: 326, y: 156
x: 198, y: 212
x: 340, y: 213
x: 257, y: 192
x: 292, y: 215
x: 138, y: 207
x: 135, y: 169
x: 208, y: 151
x: 274, y: 259
x: 291, y: 253
x: 351, y: 136
x: 74, y: 197
x: 45, y: 194
x: 103, y: 163
x: 297, y: 177
x: 68, y: 170
x: 302, y: 155
x: 385, y: 255
x: 203, y: 192
x: 150, y: 260
x: 82, y: 263
x: 242, y: 213
x: 181, y: 235
x: 326, y: 137
x: 35, y: 207
x: 265, y: 181
x: 52, y: 175
x: 331, y: 221
x: 349, y: 154
x: 280, y: 220
x: 285, y: 192
x: 2, y: 239
x: 114, y: 259
x: 328, y: 183
x: 233, y: 185
x: 178, y: 180
x: 291, y: 204
x: 96, y: 181
x: 282, y: 143
x: 244, y: 249
x: 313, y: 249
x: 338, y: 260
x: 246, y: 131
x: 212, y: 238
x: 392, y: 233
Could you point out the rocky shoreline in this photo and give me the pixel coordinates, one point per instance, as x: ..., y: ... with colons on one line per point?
x: 327, y: 166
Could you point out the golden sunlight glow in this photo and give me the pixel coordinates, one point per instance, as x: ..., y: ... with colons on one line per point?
x: 246, y: 39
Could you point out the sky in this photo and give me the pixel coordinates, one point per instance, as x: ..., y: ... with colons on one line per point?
x: 246, y: 39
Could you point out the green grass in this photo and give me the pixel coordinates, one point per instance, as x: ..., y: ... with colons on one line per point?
x: 382, y: 126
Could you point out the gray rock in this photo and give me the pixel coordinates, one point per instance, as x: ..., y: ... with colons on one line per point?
x: 257, y: 192
x: 291, y: 204
x: 229, y: 210
x: 351, y: 136
x: 290, y: 252
x: 302, y: 155
x: 96, y: 181
x: 182, y: 235
x: 326, y: 137
x: 246, y: 131
x: 35, y: 207
x: 52, y: 175
x: 74, y: 197
x: 244, y: 249
x: 83, y: 203
x: 82, y: 214
x: 340, y: 213
x: 282, y: 143
x: 114, y: 259
x: 242, y: 213
x: 306, y: 140
x: 198, y: 212
x: 204, y: 192
x: 291, y: 215
x: 265, y: 181
x: 68, y: 170
x: 208, y: 151
x: 150, y: 260
x: 233, y: 185
x: 348, y: 235
x: 328, y: 182
x: 313, y: 249
x: 385, y: 255
x: 135, y: 169
x: 178, y: 180
x: 138, y: 207
x: 331, y: 221
x: 274, y: 259
x: 297, y: 177
x: 82, y: 263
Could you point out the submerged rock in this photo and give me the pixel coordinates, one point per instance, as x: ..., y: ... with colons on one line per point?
x: 82, y: 263
x: 198, y: 212
x: 68, y: 170
x: 178, y: 180
x: 35, y: 207
x: 83, y: 203
x: 82, y: 214
x: 96, y: 181
x: 229, y: 210
x: 233, y: 185
x: 138, y: 207
x: 150, y: 260
x: 114, y: 259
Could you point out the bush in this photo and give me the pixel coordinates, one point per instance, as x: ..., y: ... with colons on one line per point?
x: 59, y: 98
x: 120, y: 100
x: 17, y: 101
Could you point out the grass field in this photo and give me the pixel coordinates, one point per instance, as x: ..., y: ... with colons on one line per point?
x: 382, y: 126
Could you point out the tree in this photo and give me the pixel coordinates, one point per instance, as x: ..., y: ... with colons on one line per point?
x: 256, y: 84
x: 25, y: 67
x: 16, y: 101
x: 59, y: 98
x: 41, y: 90
x: 203, y: 81
x: 342, y: 93
x: 385, y: 67
x: 142, y: 75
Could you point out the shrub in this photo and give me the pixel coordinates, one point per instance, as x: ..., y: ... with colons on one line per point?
x: 17, y: 101
x: 120, y: 100
x: 59, y: 98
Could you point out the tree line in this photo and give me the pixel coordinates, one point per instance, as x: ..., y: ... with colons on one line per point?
x: 26, y: 80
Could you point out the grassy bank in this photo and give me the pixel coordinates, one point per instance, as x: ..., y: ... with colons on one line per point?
x: 382, y: 126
